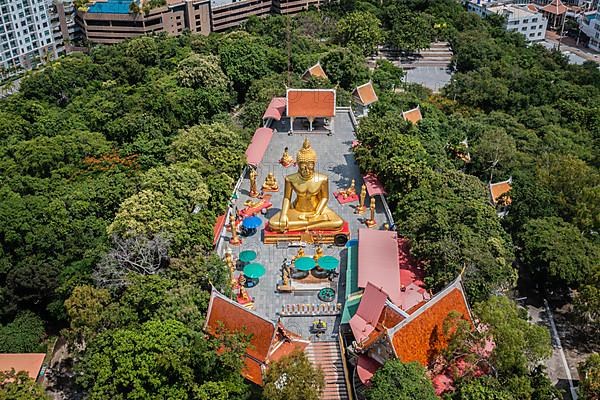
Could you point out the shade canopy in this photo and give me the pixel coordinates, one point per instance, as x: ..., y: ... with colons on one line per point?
x: 254, y: 270
x: 311, y: 103
x: 258, y: 146
x: 247, y: 255
x: 304, y: 263
x: 374, y: 187
x: 328, y: 263
x: 252, y: 222
x: 276, y: 109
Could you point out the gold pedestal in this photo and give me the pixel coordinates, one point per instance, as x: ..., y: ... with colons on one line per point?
x: 360, y: 210
x: 370, y: 223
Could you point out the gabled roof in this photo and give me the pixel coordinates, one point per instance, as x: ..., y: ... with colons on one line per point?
x: 276, y: 109
x: 269, y: 341
x: 313, y: 103
x: 378, y: 262
x: 365, y: 94
x: 412, y: 115
x: 497, y: 190
x: 556, y: 8
x: 258, y: 146
x: 420, y: 336
x: 369, y: 310
x: 28, y: 362
x: 316, y: 71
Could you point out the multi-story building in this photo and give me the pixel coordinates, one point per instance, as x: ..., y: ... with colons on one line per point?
x: 26, y: 37
x: 64, y: 29
x: 523, y: 18
x: 590, y: 26
x: 111, y: 21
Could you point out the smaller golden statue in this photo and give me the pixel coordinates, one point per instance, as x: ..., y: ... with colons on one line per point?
x: 286, y: 277
x: 350, y: 191
x: 231, y: 265
x: 371, y: 221
x: 299, y: 254
x: 235, y: 239
x: 253, y: 189
x: 318, y: 253
x: 286, y: 160
x: 270, y: 184
x: 363, y: 194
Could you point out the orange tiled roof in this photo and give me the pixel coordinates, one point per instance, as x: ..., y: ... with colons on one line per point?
x: 499, y: 189
x: 365, y: 94
x: 413, y: 115
x: 28, y: 362
x: 532, y: 7
x: 269, y: 341
x: 315, y: 71
x: 311, y: 102
x: 556, y: 8
x: 420, y: 336
x: 237, y: 318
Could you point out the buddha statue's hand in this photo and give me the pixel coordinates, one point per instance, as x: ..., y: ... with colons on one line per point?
x: 283, y: 221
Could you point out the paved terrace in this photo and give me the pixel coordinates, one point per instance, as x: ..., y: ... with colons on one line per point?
x: 335, y: 159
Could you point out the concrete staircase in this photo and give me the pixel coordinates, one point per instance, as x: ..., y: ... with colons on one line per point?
x: 439, y: 54
x: 328, y: 357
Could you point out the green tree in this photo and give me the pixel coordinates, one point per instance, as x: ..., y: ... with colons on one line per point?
x: 484, y: 388
x: 589, y: 371
x: 360, y: 29
x: 198, y: 71
x: 400, y: 381
x: 556, y: 252
x: 520, y: 345
x: 19, y: 386
x: 346, y: 68
x: 23, y: 335
x: 408, y: 30
x: 294, y: 378
x: 87, y: 309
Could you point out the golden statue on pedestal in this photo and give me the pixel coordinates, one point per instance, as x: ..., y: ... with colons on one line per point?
x: 270, y: 184
x: 350, y: 191
x: 363, y: 194
x: 309, y: 210
x: 286, y: 160
x: 371, y: 221
x: 253, y: 190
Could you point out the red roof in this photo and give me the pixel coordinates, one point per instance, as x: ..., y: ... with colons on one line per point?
x: 315, y: 71
x: 268, y: 342
x: 314, y: 103
x: 276, y: 109
x: 366, y: 368
x: 556, y: 8
x: 378, y: 261
x: 420, y: 336
x: 219, y: 224
x: 374, y: 187
x: 369, y: 310
x: 260, y: 141
x: 28, y: 362
x: 413, y: 115
x: 365, y: 94
x: 497, y: 190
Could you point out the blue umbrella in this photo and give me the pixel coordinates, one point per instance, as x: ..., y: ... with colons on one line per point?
x: 251, y: 222
x: 351, y: 243
x: 328, y: 263
x: 254, y: 270
x: 304, y: 263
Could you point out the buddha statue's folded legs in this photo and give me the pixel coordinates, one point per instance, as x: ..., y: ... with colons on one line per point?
x: 298, y: 221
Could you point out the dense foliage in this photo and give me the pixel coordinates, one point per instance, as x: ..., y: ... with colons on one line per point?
x: 115, y: 164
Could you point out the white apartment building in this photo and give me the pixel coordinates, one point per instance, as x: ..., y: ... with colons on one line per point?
x: 590, y: 26
x: 520, y: 16
x: 26, y: 37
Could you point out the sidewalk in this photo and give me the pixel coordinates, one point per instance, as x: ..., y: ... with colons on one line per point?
x: 569, y: 44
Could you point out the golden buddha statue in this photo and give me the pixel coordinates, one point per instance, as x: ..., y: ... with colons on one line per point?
x: 350, y: 191
x: 286, y: 160
x: 253, y: 190
x: 309, y: 210
x: 270, y: 184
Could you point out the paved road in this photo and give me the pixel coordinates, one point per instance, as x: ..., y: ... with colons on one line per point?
x: 576, y: 54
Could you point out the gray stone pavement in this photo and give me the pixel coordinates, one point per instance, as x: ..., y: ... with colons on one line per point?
x: 434, y: 78
x: 335, y: 158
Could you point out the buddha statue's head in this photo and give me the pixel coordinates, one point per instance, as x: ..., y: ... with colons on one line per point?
x: 306, y: 160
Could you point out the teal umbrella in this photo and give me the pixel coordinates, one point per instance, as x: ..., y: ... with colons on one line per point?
x: 247, y: 256
x: 304, y: 263
x: 328, y: 263
x: 254, y: 270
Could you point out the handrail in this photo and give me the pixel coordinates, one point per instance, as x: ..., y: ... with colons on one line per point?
x: 345, y: 367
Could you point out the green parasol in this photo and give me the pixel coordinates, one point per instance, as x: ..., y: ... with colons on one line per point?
x: 254, y: 270
x: 247, y: 256
x: 304, y: 263
x: 328, y: 263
